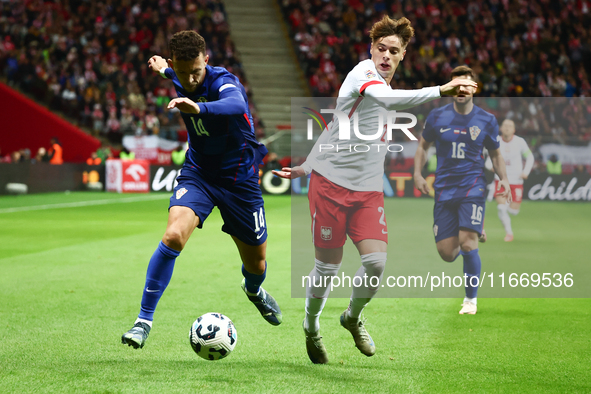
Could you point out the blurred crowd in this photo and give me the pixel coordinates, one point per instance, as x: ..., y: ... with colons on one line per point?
x: 88, y: 59
x: 560, y: 120
x: 519, y: 48
x: 53, y: 154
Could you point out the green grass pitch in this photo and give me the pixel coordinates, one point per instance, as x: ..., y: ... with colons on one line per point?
x: 71, y: 279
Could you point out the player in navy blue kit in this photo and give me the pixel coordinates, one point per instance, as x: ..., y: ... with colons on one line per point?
x: 221, y: 169
x: 460, y: 131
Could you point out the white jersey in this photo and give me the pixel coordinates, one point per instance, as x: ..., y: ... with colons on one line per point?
x: 514, y: 152
x: 358, y: 164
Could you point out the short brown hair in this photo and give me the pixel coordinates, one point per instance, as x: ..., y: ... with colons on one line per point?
x: 186, y: 45
x: 392, y: 27
x: 463, y: 71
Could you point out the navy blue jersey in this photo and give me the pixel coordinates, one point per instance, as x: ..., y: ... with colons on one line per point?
x: 459, y: 140
x: 222, y: 144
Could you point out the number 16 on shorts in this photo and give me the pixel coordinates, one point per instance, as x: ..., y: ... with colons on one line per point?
x: 476, y: 215
x: 476, y: 221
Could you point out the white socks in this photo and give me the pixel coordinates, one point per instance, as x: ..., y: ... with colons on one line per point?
x: 512, y: 211
x: 372, y: 266
x: 370, y: 273
x: 472, y: 300
x: 503, y: 210
x: 317, y: 292
x: 148, y: 322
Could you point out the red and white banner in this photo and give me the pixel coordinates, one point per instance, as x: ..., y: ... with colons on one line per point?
x: 128, y: 176
x: 151, y: 147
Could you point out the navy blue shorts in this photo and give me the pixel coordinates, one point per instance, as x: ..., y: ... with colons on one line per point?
x: 241, y: 205
x: 449, y: 216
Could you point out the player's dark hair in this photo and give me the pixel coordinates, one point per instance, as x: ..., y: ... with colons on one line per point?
x: 463, y: 71
x: 392, y: 27
x: 186, y: 45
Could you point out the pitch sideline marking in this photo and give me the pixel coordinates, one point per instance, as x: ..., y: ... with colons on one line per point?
x: 83, y: 203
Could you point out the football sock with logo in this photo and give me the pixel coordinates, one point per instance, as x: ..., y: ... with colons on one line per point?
x: 253, y: 282
x: 504, y: 217
x: 371, y: 271
x: 472, y: 266
x: 317, y: 291
x: 157, y: 278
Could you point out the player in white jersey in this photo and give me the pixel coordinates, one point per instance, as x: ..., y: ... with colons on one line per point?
x: 514, y: 150
x: 363, y: 95
x: 346, y: 188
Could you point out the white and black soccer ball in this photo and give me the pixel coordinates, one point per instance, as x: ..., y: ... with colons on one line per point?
x: 213, y: 336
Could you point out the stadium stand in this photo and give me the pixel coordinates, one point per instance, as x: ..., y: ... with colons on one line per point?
x: 523, y: 49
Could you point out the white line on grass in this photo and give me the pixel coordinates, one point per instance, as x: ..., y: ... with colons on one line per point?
x: 85, y: 203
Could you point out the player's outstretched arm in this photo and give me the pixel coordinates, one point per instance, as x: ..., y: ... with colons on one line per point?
x: 290, y: 173
x: 499, y: 167
x: 400, y: 99
x: 420, y: 160
x: 157, y: 63
x: 452, y: 87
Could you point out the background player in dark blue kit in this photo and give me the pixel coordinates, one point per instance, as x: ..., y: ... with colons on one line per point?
x: 460, y: 131
x: 221, y: 169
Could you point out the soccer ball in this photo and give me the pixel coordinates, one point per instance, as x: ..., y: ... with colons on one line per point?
x: 213, y: 336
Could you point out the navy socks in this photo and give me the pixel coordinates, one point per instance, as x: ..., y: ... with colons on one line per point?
x: 158, y: 276
x: 472, y: 266
x: 253, y: 282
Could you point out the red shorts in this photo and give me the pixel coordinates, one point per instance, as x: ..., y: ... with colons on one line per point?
x: 337, y: 212
x: 516, y: 191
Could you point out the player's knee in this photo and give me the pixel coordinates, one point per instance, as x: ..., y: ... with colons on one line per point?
x: 468, y: 240
x: 174, y: 239
x: 468, y: 245
x: 374, y: 263
x: 255, y: 266
x: 447, y: 256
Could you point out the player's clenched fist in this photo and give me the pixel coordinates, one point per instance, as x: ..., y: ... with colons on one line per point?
x: 157, y: 63
x: 184, y: 105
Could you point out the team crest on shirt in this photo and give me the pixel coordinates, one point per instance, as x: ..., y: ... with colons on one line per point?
x: 326, y: 233
x: 435, y: 229
x: 202, y: 99
x: 370, y: 74
x: 181, y: 192
x: 474, y: 132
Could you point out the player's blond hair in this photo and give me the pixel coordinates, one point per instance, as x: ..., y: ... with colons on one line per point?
x: 392, y: 27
